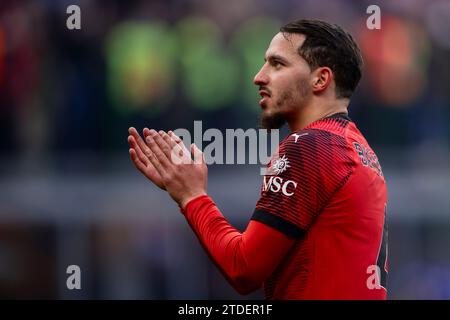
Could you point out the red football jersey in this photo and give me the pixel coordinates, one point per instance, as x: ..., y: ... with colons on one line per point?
x: 326, y: 189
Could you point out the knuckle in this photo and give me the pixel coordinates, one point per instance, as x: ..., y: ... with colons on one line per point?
x: 153, y: 158
x: 167, y: 177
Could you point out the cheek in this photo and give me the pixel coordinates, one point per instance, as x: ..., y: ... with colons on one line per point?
x: 292, y: 93
x: 283, y: 84
x: 303, y: 87
x: 291, y: 80
x: 290, y: 89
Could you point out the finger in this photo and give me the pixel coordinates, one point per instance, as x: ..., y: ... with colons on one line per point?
x: 177, y: 155
x: 140, y: 143
x: 136, y: 161
x: 138, y: 150
x: 175, y: 143
x: 162, y: 144
x: 157, y: 165
x: 179, y: 142
x: 176, y: 138
x: 158, y: 155
x: 197, y: 153
x: 146, y: 132
x: 152, y: 157
x: 133, y: 132
x: 142, y: 158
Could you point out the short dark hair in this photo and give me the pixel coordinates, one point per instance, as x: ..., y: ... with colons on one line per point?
x: 328, y: 45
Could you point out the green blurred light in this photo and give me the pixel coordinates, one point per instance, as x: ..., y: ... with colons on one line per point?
x: 210, y: 82
x: 197, y: 35
x: 209, y: 75
x: 251, y: 41
x: 141, y: 67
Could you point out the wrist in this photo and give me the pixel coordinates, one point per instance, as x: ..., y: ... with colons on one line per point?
x: 184, y: 202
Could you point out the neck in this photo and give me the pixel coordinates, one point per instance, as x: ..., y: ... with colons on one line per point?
x: 315, y: 111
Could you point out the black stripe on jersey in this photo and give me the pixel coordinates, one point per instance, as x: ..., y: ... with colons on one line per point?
x: 288, y: 228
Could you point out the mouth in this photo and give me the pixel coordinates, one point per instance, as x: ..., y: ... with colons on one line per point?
x: 265, y: 95
x: 263, y: 102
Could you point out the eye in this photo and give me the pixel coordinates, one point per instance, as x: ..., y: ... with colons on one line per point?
x: 277, y: 64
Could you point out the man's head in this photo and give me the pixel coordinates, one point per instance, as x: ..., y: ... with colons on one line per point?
x: 306, y: 59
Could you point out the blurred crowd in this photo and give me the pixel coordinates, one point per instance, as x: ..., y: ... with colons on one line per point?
x: 167, y: 63
x: 70, y: 95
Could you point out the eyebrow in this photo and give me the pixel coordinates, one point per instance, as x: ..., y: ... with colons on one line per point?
x: 275, y: 57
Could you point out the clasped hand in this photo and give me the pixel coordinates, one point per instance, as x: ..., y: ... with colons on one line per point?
x: 163, y: 159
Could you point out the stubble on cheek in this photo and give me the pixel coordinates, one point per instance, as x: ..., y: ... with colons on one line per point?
x: 285, y: 97
x: 295, y: 96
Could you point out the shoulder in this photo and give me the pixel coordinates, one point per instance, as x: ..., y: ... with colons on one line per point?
x: 317, y: 149
x: 313, y: 140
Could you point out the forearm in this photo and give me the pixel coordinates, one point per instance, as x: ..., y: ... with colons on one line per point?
x: 246, y: 259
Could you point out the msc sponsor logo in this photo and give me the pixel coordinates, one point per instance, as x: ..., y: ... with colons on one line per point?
x: 276, y: 184
x: 280, y: 165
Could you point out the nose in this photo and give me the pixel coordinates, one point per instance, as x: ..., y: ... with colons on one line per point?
x: 261, y: 78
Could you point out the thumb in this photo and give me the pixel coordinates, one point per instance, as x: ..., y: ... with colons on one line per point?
x: 198, y: 154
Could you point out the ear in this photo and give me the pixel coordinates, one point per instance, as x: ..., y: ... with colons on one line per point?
x: 322, y: 79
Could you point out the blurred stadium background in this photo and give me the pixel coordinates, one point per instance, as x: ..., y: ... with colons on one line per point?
x: 70, y: 195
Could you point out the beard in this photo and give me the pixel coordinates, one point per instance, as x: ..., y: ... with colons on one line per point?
x: 274, y: 120
x: 277, y: 118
